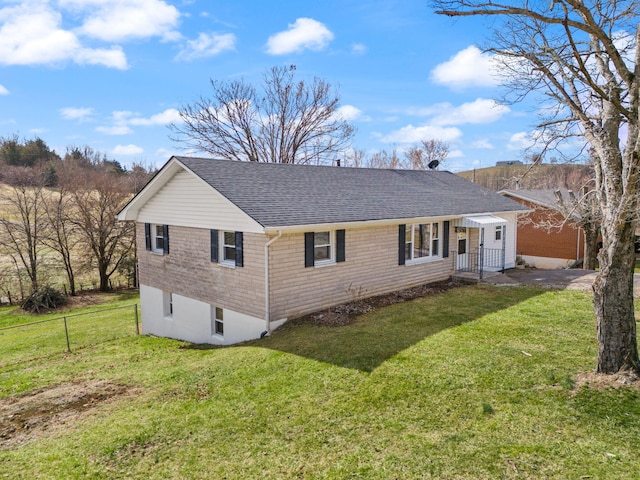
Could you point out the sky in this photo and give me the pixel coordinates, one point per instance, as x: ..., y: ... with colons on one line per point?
x: 112, y: 74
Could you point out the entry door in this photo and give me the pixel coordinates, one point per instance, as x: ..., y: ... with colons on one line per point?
x: 463, y: 260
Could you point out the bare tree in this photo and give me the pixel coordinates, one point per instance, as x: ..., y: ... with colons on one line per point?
x: 22, y: 227
x: 427, y: 154
x: 289, y: 121
x: 584, y: 56
x: 60, y: 237
x: 354, y: 158
x: 385, y: 159
x: 584, y: 212
x: 98, y: 195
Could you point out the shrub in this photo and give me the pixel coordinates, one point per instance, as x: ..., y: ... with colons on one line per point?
x: 44, y: 298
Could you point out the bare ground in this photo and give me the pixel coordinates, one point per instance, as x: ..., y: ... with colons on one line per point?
x: 601, y: 381
x: 32, y: 415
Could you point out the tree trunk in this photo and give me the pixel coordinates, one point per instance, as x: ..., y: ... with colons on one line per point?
x: 613, y: 301
x: 72, y: 282
x: 104, y: 281
x: 590, y: 247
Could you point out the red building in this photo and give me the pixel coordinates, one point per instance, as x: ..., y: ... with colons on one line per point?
x: 545, y: 239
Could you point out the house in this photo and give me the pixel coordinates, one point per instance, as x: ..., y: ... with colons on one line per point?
x: 228, y: 251
x: 556, y: 246
x: 507, y: 163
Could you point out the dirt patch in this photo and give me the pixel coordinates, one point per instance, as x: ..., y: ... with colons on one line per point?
x: 600, y: 381
x: 26, y: 417
x: 346, y: 313
x: 85, y: 299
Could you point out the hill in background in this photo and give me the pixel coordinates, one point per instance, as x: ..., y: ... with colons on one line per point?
x: 531, y: 176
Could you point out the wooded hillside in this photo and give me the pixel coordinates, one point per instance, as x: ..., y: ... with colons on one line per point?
x: 531, y: 177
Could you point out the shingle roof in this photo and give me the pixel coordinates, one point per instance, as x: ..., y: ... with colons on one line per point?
x: 285, y: 195
x: 545, y: 198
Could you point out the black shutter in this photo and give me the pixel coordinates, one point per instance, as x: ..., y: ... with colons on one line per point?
x: 214, y: 246
x: 147, y: 235
x: 239, y: 253
x: 340, y: 236
x: 165, y: 234
x: 445, y: 239
x: 402, y: 233
x: 308, y: 249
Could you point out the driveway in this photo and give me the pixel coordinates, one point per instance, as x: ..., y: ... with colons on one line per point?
x: 570, y: 279
x: 558, y: 278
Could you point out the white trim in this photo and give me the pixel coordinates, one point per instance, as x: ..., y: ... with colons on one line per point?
x: 482, y: 221
x: 332, y: 249
x: 221, y: 249
x: 315, y: 227
x: 153, y: 231
x: 427, y: 258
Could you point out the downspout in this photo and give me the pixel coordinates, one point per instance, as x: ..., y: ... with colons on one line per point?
x: 267, y: 306
x: 578, y: 247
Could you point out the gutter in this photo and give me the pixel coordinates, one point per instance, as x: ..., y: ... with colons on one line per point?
x: 377, y: 223
x: 267, y: 305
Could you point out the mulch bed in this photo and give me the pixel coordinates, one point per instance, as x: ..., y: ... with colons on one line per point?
x: 346, y: 313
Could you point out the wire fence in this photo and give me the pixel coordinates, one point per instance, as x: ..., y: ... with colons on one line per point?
x: 33, y: 340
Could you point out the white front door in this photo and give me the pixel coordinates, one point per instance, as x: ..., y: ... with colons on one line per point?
x: 463, y: 241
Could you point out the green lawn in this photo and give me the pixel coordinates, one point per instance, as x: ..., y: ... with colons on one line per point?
x: 473, y: 383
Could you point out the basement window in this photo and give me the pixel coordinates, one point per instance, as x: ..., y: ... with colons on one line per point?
x: 217, y: 321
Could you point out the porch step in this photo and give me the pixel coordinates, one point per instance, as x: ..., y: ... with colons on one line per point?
x: 491, y: 278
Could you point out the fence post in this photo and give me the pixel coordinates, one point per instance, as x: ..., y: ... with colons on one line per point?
x: 66, y: 332
x: 481, y: 259
x: 135, y: 309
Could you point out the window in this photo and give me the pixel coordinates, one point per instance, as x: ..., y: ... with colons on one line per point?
x: 324, y: 248
x: 498, y: 233
x: 167, y: 300
x: 157, y: 237
x: 217, y: 321
x: 422, y: 240
x: 227, y: 248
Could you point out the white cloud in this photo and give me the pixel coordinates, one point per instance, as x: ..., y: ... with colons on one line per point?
x: 127, y: 150
x: 358, y: 48
x: 479, y: 111
x: 163, y: 118
x: 305, y: 33
x: 30, y: 34
x: 118, y: 20
x: 72, y: 113
x: 115, y: 130
x: 520, y: 141
x: 411, y: 134
x: 349, y: 112
x: 207, y: 45
x: 3, y: 90
x: 113, y: 58
x: 482, y: 144
x: 122, y: 120
x: 456, y: 154
x: 468, y: 68
x: 164, y: 153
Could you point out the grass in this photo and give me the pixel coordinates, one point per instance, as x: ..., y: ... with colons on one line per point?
x: 474, y: 383
x: 26, y: 337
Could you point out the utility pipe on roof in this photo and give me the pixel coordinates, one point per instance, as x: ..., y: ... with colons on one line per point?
x: 267, y: 306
